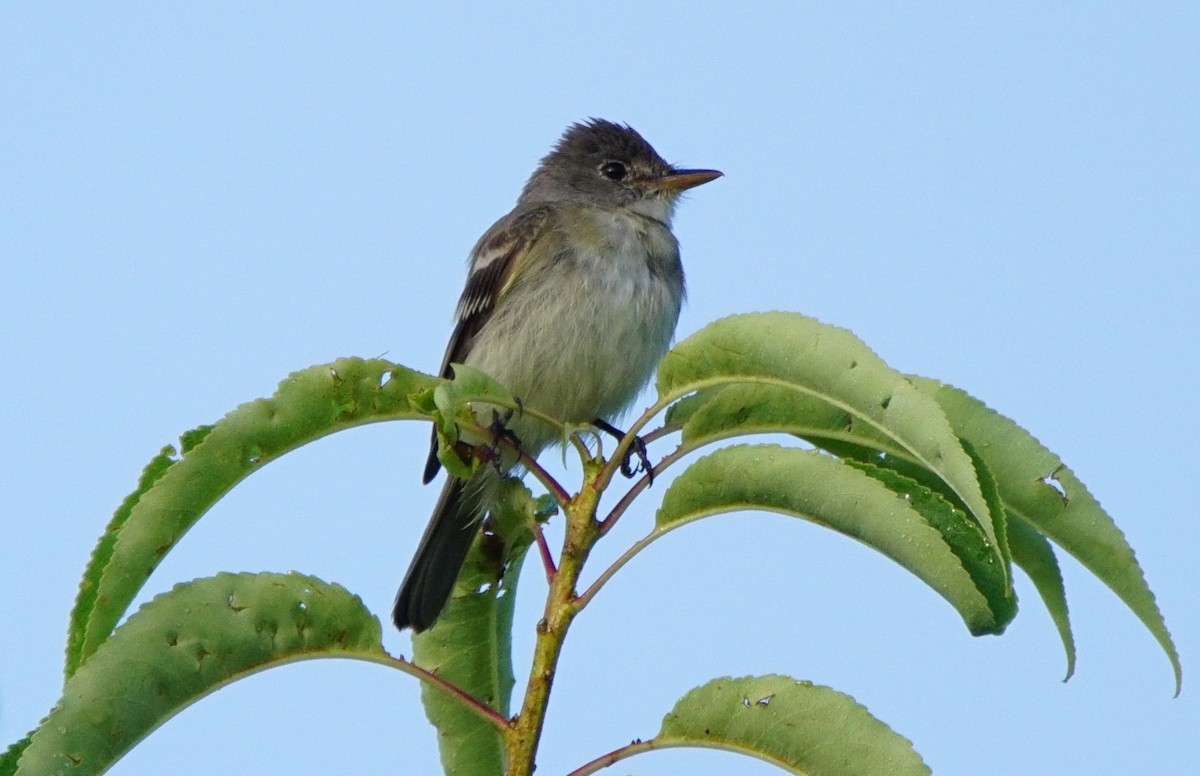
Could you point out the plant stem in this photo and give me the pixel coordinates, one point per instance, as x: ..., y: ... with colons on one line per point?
x: 470, y: 702
x: 548, y: 564
x: 641, y: 544
x: 615, y: 756
x: 605, y: 525
x: 541, y: 475
x: 561, y: 607
x: 608, y: 522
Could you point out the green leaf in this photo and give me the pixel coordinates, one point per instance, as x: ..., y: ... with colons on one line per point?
x: 818, y: 487
x: 183, y: 645
x: 991, y: 494
x: 719, y: 413
x: 1042, y: 492
x: 11, y: 756
x: 1034, y: 555
x: 796, y: 353
x: 962, y: 534
x: 470, y: 645
x: 462, y: 403
x: 85, y: 600
x: 173, y: 494
x: 470, y: 385
x: 799, y: 726
x: 727, y: 411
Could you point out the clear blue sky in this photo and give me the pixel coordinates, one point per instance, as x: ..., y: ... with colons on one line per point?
x: 197, y: 199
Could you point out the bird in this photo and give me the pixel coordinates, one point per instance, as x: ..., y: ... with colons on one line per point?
x: 571, y: 300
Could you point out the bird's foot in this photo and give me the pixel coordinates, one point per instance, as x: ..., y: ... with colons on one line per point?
x: 636, y: 449
x: 500, y: 432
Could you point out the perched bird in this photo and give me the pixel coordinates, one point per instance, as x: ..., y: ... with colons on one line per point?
x: 571, y: 300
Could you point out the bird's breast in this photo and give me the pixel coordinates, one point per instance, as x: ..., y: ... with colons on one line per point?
x: 580, y: 337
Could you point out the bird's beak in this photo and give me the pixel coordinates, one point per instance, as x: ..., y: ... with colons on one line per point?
x: 681, y: 180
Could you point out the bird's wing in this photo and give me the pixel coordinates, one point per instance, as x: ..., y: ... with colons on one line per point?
x: 497, y: 259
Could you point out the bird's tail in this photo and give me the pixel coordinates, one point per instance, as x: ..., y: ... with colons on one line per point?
x: 440, y: 556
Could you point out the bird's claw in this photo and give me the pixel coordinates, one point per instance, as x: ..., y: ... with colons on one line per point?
x: 636, y: 448
x: 500, y: 432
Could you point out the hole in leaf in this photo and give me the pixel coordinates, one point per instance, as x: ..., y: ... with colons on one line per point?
x: 765, y: 700
x: 384, y: 379
x: 1051, y: 481
x: 884, y: 404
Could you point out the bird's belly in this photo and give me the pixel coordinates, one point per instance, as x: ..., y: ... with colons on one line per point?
x: 584, y: 351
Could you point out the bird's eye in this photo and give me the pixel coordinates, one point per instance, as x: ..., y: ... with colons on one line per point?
x: 614, y: 171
